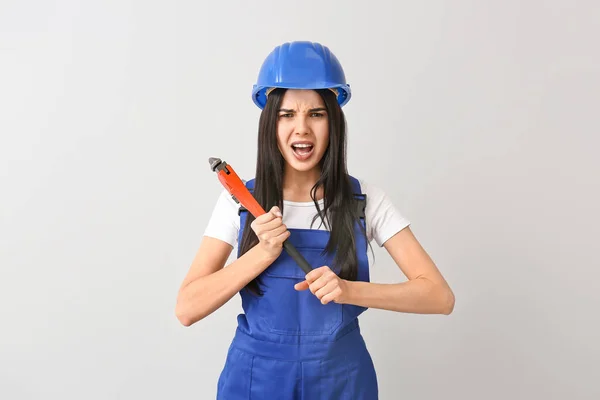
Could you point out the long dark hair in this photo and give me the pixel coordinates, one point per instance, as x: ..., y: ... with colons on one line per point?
x: 339, y: 213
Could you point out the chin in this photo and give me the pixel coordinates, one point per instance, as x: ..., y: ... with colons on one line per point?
x: 303, y: 167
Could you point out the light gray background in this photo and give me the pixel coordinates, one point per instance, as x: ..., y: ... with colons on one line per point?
x: 479, y: 119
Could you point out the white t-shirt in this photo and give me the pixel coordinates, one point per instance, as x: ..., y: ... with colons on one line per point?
x: 383, y: 220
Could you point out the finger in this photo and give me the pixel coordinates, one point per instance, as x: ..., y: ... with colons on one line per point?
x: 319, y: 283
x: 301, y: 286
x: 270, y: 225
x: 328, y: 288
x: 262, y: 220
x: 315, y: 273
x: 277, y: 229
x: 272, y: 233
x: 266, y: 230
x: 273, y: 213
x: 326, y: 276
x: 331, y: 296
x: 282, y: 237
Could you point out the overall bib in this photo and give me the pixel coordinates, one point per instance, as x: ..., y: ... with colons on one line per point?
x: 290, y: 346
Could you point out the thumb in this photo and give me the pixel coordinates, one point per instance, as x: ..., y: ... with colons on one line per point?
x: 301, y: 286
x: 276, y: 211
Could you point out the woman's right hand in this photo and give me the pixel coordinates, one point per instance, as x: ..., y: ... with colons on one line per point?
x: 271, y: 232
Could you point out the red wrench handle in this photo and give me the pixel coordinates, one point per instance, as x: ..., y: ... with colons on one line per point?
x: 240, y: 193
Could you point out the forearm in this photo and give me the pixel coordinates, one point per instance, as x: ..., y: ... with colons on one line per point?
x: 203, y: 296
x: 419, y: 296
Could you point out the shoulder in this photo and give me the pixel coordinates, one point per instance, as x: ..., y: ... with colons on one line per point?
x: 226, y: 202
x: 377, y: 198
x: 383, y: 217
x: 374, y: 193
x: 224, y: 220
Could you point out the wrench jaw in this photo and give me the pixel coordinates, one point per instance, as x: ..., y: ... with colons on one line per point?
x: 214, y: 163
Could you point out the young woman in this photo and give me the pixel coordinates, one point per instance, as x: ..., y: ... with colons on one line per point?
x: 299, y: 337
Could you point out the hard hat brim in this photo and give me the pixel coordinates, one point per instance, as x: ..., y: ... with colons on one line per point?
x: 259, y: 96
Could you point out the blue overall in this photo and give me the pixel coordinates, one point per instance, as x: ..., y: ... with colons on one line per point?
x: 290, y: 346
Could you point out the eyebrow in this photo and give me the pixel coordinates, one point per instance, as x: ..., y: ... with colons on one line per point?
x: 287, y: 110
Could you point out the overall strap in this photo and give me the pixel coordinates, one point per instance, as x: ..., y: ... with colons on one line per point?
x: 360, y: 197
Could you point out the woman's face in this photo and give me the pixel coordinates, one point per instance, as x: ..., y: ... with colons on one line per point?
x: 302, y: 129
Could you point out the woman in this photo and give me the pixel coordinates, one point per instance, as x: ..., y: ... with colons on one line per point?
x: 299, y: 335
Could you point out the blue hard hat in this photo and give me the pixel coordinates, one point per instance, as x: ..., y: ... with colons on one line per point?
x: 301, y: 65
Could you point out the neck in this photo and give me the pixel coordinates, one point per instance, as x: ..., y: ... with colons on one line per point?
x: 297, y: 184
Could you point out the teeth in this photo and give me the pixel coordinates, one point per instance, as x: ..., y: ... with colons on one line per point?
x: 302, y: 145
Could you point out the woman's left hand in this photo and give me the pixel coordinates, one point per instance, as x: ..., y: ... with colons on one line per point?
x: 325, y: 284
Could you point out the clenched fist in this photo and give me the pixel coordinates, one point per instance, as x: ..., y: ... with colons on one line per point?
x: 325, y: 284
x: 271, y: 232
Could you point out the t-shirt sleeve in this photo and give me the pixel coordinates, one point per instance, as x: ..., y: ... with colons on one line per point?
x: 383, y: 218
x: 224, y: 223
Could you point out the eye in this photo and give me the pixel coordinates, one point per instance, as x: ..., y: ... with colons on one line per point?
x: 317, y: 115
x: 288, y: 115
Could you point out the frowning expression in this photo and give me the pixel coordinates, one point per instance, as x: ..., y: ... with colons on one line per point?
x: 302, y: 129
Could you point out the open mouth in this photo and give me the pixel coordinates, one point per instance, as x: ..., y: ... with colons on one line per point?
x: 302, y: 150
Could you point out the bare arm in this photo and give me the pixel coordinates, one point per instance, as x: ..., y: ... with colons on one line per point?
x: 425, y: 292
x: 207, y: 285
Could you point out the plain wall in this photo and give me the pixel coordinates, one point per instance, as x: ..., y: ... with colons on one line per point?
x: 479, y: 119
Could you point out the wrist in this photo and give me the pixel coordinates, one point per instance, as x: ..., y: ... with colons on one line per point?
x: 265, y: 255
x: 351, y: 292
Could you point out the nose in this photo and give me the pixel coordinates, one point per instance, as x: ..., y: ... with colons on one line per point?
x: 302, y: 125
